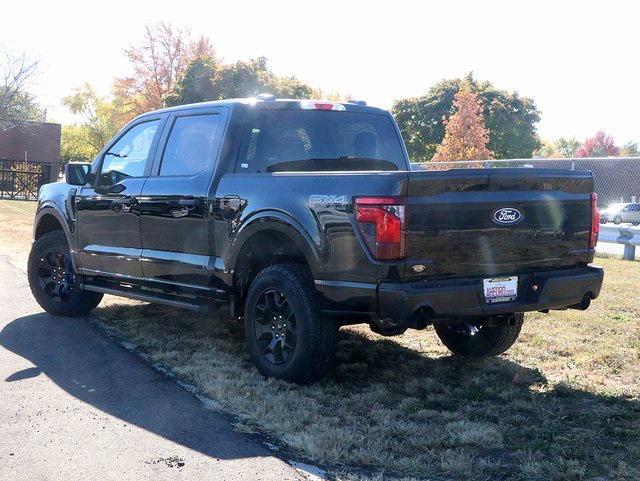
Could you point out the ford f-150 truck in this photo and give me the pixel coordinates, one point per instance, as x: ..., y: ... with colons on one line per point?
x: 303, y: 216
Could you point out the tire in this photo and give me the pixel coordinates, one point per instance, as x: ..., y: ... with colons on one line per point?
x: 53, y: 283
x: 617, y: 220
x: 493, y: 336
x: 282, y: 300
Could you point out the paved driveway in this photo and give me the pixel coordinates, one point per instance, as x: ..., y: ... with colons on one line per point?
x: 75, y: 405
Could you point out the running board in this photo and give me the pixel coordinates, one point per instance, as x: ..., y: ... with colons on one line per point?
x: 169, y: 300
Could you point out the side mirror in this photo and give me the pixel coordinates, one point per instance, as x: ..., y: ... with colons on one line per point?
x: 77, y: 173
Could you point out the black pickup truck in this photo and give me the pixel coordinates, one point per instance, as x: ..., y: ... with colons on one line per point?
x: 303, y: 216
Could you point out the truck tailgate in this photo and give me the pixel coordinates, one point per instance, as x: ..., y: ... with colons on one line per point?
x: 468, y: 222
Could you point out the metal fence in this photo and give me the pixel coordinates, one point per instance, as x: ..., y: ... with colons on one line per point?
x: 22, y: 180
x: 617, y: 179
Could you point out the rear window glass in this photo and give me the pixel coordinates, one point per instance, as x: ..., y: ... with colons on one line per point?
x: 316, y: 140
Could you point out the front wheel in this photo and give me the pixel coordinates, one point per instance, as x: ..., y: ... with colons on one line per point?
x: 617, y: 220
x: 286, y: 336
x: 52, y: 280
x: 486, y: 337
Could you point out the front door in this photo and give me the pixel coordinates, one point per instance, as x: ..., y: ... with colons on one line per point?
x: 108, y: 214
x: 176, y: 236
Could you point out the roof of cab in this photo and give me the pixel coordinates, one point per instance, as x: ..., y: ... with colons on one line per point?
x: 268, y: 103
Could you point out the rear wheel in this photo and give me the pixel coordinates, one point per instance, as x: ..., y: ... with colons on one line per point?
x: 480, y: 338
x: 286, y: 336
x: 52, y: 280
x: 617, y: 220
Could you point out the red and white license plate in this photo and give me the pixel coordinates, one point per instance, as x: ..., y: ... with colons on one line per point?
x: 500, y: 289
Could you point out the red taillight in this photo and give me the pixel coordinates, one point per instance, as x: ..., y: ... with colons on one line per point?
x: 381, y: 222
x: 595, y: 221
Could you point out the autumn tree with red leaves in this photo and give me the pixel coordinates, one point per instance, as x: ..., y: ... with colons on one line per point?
x: 465, y: 136
x: 601, y: 145
x: 157, y: 64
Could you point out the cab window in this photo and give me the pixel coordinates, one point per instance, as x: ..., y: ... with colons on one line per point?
x: 128, y: 156
x: 190, y: 147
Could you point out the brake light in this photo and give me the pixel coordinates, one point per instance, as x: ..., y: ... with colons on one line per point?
x: 311, y: 105
x: 595, y: 221
x: 381, y: 221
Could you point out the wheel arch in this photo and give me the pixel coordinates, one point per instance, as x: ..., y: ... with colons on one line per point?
x: 268, y: 239
x: 48, y: 219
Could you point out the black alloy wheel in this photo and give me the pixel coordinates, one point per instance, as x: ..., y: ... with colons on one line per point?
x: 274, y: 325
x: 53, y: 281
x: 286, y: 334
x: 55, y: 275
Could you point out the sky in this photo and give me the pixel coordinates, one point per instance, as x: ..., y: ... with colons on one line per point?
x: 577, y: 60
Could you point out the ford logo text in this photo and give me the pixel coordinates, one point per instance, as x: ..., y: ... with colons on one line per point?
x: 507, y: 215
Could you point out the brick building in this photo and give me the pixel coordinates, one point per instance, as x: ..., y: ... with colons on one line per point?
x: 33, y: 142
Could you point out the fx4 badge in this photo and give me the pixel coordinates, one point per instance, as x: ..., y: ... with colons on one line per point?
x: 507, y: 215
x: 331, y: 201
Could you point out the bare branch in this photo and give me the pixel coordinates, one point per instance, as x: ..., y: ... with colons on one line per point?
x: 16, y: 103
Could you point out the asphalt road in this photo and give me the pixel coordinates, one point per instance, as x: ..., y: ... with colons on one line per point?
x: 75, y: 405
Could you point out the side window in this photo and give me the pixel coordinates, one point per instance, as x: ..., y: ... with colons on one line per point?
x: 128, y: 156
x: 190, y: 146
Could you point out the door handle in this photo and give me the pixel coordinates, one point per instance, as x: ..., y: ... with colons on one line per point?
x: 123, y: 205
x: 185, y: 205
x: 178, y: 212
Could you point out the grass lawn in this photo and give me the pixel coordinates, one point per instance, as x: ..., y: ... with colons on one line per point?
x: 562, y: 404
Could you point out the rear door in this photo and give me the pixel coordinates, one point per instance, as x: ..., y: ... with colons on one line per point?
x: 174, y: 201
x: 470, y: 222
x: 108, y: 233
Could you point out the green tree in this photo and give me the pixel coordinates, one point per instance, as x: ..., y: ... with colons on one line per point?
x: 561, y: 148
x: 567, y: 147
x: 101, y: 120
x: 630, y: 149
x: 75, y: 144
x: 195, y: 84
x: 510, y: 118
x: 205, y: 79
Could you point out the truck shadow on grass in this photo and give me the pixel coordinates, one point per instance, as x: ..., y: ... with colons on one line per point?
x: 383, y: 408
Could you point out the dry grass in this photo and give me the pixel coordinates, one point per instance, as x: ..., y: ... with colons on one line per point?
x: 562, y: 404
x: 16, y: 221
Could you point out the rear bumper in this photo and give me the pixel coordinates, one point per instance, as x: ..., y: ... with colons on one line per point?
x: 442, y: 299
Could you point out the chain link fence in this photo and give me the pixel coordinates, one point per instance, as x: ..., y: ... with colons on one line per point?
x: 617, y: 179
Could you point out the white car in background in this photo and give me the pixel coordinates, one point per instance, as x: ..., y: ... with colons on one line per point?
x: 621, y: 212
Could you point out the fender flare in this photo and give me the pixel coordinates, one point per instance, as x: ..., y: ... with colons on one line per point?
x: 52, y: 210
x: 279, y: 222
x: 67, y: 224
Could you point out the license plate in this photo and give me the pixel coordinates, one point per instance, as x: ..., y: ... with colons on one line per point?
x: 500, y: 289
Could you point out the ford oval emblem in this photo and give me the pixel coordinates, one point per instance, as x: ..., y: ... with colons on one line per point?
x: 507, y: 215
